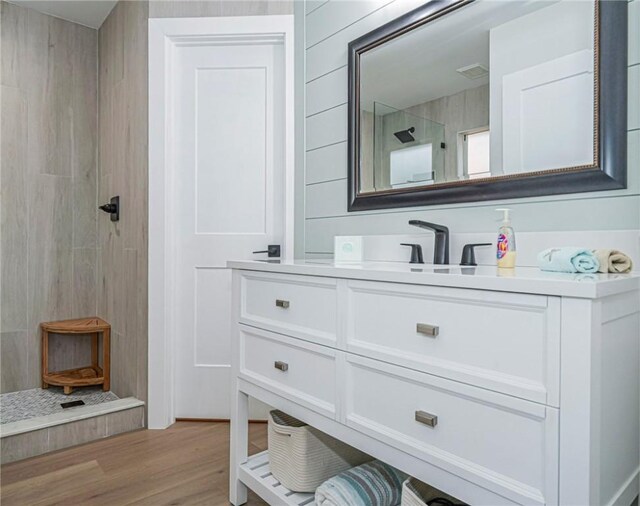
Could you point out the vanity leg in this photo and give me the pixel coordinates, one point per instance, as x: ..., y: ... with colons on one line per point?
x: 239, y: 445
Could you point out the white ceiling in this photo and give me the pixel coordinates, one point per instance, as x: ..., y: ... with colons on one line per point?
x: 89, y: 13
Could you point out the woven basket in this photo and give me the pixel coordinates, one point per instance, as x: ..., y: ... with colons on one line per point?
x: 302, y: 458
x: 417, y: 493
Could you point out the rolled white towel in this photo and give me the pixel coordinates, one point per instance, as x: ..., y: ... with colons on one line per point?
x: 612, y: 260
x: 568, y: 259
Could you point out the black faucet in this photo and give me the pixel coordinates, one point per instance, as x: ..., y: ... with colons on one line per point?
x: 441, y: 246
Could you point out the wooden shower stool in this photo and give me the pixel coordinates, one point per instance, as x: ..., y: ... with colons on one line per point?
x: 83, y: 376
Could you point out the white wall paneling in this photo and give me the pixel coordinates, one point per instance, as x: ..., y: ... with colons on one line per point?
x: 327, y: 199
x: 326, y: 149
x: 634, y: 32
x: 331, y: 53
x: 326, y: 128
x: 327, y: 163
x: 388, y: 248
x: 327, y: 91
x: 565, y: 216
x: 312, y: 5
x: 322, y: 25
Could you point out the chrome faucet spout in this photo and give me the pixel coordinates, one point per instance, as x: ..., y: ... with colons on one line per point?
x: 441, y: 246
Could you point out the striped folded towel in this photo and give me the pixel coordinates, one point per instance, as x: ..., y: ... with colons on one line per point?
x: 568, y: 260
x: 372, y: 484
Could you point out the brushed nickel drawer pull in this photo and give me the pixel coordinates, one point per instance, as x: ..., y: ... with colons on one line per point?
x: 426, y: 418
x: 427, y: 330
x: 283, y: 366
x: 284, y: 304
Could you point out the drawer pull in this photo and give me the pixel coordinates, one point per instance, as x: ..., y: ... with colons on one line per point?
x: 284, y: 304
x: 427, y: 330
x: 283, y: 366
x: 426, y: 418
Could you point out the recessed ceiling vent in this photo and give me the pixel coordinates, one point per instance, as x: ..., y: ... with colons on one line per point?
x: 473, y: 71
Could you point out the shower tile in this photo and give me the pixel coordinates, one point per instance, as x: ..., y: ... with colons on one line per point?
x: 130, y: 292
x: 50, y: 286
x: 50, y: 260
x: 243, y: 8
x: 85, y: 211
x: 178, y: 9
x: 75, y: 433
x: 84, y: 138
x: 13, y: 44
x: 124, y: 380
x: 69, y: 351
x: 14, y: 351
x: 111, y: 283
x: 111, y: 47
x: 39, y: 402
x: 22, y: 446
x: 50, y: 96
x: 125, y: 421
x: 105, y: 226
x: 14, y: 210
x: 123, y: 168
x: 50, y: 221
x: 279, y: 7
x: 134, y: 170
x: 84, y: 282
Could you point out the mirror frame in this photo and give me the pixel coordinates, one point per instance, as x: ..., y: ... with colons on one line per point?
x: 609, y: 172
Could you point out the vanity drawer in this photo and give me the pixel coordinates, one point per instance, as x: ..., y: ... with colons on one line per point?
x: 506, y: 444
x: 297, y: 370
x: 505, y: 342
x: 299, y: 306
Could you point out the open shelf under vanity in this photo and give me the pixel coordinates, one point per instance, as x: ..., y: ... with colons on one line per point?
x: 256, y: 474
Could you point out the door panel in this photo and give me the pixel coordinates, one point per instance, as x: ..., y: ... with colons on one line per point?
x: 228, y: 105
x: 548, y: 115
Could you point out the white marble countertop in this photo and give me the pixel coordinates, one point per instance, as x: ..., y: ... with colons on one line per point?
x: 520, y: 279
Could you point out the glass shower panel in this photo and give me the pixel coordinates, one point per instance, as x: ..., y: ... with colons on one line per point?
x: 408, y: 149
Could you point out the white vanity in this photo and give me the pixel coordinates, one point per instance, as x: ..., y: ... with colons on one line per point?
x: 499, y: 388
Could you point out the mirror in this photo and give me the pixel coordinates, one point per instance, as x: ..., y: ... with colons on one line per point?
x: 474, y: 100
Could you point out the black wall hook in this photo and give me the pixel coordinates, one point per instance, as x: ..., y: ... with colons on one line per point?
x: 113, y: 208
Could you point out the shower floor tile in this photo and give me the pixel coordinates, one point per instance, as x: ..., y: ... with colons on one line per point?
x: 26, y: 404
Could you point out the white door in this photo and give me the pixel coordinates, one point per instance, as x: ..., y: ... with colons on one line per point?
x: 547, y: 115
x: 228, y: 193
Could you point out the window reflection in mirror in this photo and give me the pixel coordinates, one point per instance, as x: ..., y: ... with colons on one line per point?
x: 494, y: 89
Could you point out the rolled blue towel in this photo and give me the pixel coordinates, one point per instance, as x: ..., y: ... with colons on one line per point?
x: 372, y: 484
x: 568, y: 260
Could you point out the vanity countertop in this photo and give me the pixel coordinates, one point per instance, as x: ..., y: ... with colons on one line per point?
x: 521, y: 279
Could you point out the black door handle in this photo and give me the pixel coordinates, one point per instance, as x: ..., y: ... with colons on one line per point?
x: 273, y: 250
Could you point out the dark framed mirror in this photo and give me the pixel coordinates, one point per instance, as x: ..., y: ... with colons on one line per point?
x: 471, y: 100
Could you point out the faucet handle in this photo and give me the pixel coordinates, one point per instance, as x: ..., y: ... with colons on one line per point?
x: 416, y: 253
x: 469, y: 253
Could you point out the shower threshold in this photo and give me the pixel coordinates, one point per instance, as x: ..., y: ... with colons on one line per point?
x: 34, y: 422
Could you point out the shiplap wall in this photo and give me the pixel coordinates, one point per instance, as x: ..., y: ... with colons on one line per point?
x: 329, y: 26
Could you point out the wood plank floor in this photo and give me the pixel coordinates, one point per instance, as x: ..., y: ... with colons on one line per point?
x: 183, y: 465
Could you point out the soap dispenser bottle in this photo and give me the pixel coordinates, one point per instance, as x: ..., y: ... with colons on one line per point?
x: 506, y: 250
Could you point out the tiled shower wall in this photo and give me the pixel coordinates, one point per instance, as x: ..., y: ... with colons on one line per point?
x: 48, y: 187
x: 122, y: 162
